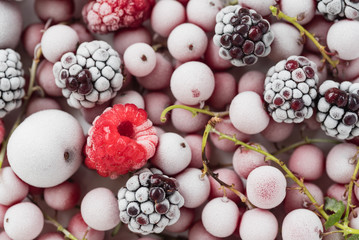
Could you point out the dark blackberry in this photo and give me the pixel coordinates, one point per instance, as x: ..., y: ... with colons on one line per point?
x: 242, y: 35
x: 12, y: 81
x: 338, y: 9
x: 338, y: 107
x: 290, y: 89
x: 92, y: 76
x: 149, y: 202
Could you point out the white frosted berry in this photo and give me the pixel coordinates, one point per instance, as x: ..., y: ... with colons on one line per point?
x: 99, y: 209
x: 139, y: 59
x: 173, y: 153
x: 53, y: 155
x: 266, y: 187
x: 192, y: 83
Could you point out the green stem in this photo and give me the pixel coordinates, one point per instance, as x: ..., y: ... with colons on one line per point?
x: 116, y: 230
x: 293, y: 20
x: 193, y: 110
x: 304, y: 142
x: 350, y: 189
x: 347, y: 230
x: 209, y: 172
x: 60, y: 228
x: 30, y: 91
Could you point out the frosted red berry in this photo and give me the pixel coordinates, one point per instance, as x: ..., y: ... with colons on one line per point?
x: 121, y: 139
x: 103, y: 16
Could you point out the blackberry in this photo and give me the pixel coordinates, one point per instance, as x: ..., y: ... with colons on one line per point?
x: 290, y: 89
x: 12, y: 81
x: 338, y: 9
x: 91, y: 76
x: 338, y: 107
x: 242, y: 35
x: 149, y: 202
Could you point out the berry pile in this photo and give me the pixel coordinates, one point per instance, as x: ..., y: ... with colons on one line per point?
x: 242, y: 35
x: 135, y: 120
x: 149, y: 202
x: 290, y: 89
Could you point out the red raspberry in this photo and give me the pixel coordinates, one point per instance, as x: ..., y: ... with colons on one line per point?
x: 103, y: 16
x: 121, y: 139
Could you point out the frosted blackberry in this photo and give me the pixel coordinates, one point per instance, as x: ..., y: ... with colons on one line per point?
x: 290, y: 89
x: 338, y: 9
x: 338, y: 107
x: 149, y: 202
x: 242, y: 35
x: 91, y: 76
x: 12, y: 81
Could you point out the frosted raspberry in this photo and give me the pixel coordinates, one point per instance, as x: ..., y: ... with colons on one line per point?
x: 103, y: 16
x: 121, y: 139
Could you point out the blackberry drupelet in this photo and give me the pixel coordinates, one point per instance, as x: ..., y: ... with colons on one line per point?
x: 91, y: 76
x: 290, y: 89
x: 338, y: 107
x: 242, y: 35
x: 338, y: 9
x: 149, y: 202
x: 12, y: 81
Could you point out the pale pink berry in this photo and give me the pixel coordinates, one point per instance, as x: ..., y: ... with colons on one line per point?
x: 304, y: 10
x: 12, y: 188
x: 25, y: 216
x: 31, y: 36
x: 185, y: 220
x: 3, y: 210
x: 184, y: 121
x: 203, y: 13
x: 340, y: 193
x: 82, y: 32
x: 39, y: 104
x: 160, y: 76
x: 266, y: 187
x: 193, y: 187
x: 155, y: 103
x: 307, y: 161
x: 277, y: 132
x: 224, y: 90
x: 247, y: 113
x: 172, y: 154
x: 252, y: 81
x: 56, y: 10
x: 99, y: 209
x: 79, y: 228
x: 192, y: 83
x: 245, y: 160
x: 63, y: 196
x: 45, y: 78
x: 230, y: 177
x: 130, y: 96
x: 318, y: 26
x: 198, y: 232
x: 51, y: 236
x: 58, y: 40
x: 213, y: 59
x: 220, y: 217
x: 10, y: 24
x: 128, y: 36
x: 342, y: 39
x: 261, y: 7
x: 195, y: 143
x: 187, y: 42
x: 166, y: 15
x: 140, y: 59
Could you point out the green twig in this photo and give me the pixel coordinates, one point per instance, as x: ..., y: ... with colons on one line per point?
x: 304, y: 142
x: 293, y: 20
x: 59, y: 227
x: 193, y: 110
x: 350, y: 189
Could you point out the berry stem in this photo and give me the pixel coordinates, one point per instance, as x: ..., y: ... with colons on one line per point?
x: 208, y: 171
x: 350, y: 189
x: 304, y: 142
x: 346, y: 230
x: 116, y: 229
x: 30, y: 91
x: 60, y: 228
x: 293, y: 20
x: 193, y: 110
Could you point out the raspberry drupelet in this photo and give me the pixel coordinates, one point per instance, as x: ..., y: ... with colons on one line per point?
x: 121, y: 139
x: 103, y: 16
